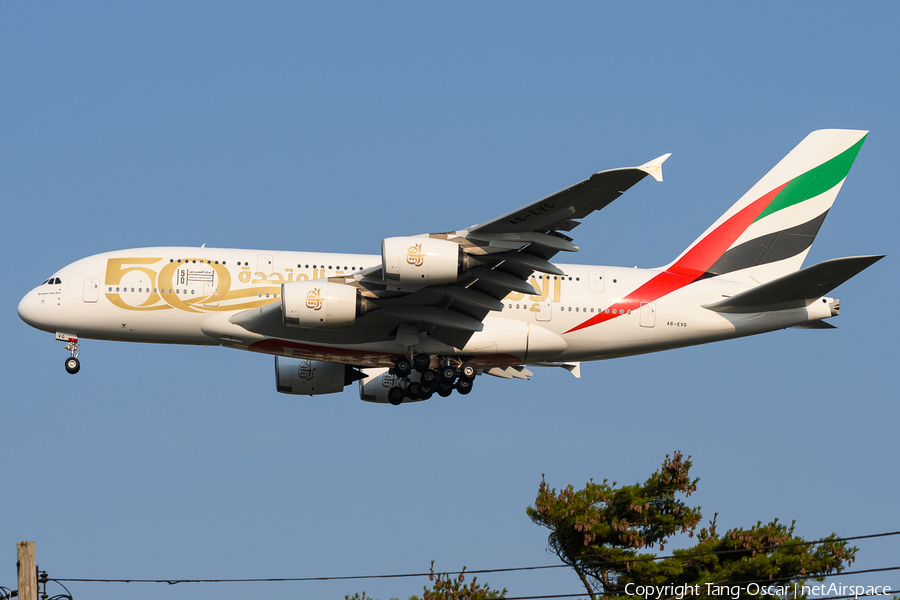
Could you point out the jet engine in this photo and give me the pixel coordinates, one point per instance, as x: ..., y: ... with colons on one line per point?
x: 421, y: 260
x: 320, y: 303
x: 312, y: 377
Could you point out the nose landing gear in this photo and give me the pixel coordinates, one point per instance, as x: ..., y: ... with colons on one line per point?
x: 73, y: 365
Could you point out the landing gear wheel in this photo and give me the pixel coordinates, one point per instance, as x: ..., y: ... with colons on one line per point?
x: 395, y: 395
x: 421, y: 362
x: 464, y: 386
x: 414, y: 390
x: 429, y: 377
x: 402, y: 367
x: 448, y: 373
x: 72, y: 365
x: 445, y: 390
x: 468, y: 372
x: 426, y: 395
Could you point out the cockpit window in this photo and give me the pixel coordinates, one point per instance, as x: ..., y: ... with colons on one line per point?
x: 57, y: 281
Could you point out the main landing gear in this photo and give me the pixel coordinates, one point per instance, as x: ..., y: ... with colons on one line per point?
x: 437, y: 375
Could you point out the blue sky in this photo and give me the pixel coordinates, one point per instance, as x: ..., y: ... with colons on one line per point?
x: 331, y: 126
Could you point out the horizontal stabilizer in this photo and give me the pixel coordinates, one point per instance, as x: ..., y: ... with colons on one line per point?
x: 795, y: 289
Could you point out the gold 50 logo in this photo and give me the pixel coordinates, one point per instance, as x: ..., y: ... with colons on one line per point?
x: 314, y: 299
x: 191, y: 285
x: 415, y: 256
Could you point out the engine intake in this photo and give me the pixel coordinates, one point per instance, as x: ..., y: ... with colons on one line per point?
x: 320, y: 303
x: 422, y: 261
x: 312, y: 377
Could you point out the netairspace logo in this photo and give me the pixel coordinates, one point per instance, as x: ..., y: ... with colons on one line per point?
x: 657, y: 592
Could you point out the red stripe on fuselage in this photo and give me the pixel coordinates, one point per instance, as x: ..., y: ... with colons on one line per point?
x: 692, y: 265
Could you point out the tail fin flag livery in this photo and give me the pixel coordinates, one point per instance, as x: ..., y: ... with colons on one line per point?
x: 769, y: 231
x: 434, y: 311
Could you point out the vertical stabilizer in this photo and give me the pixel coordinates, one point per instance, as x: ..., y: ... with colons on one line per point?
x: 769, y: 231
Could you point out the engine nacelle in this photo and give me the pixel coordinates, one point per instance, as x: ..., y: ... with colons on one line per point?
x: 312, y: 377
x: 422, y: 261
x: 320, y: 303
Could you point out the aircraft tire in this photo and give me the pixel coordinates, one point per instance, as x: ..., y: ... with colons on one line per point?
x: 464, y: 386
x: 395, y: 395
x: 429, y: 377
x: 444, y: 392
x: 421, y: 362
x: 414, y: 390
x: 72, y: 365
x: 448, y: 373
x: 402, y: 367
x: 468, y: 372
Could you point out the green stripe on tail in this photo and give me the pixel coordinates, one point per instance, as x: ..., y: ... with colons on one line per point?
x: 815, y: 181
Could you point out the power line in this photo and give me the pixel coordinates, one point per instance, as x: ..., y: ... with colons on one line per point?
x: 472, y: 572
x: 535, y: 597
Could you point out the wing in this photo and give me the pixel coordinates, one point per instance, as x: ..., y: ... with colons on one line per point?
x: 501, y: 255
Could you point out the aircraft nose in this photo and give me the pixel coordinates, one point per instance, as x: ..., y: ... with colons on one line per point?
x: 25, y: 310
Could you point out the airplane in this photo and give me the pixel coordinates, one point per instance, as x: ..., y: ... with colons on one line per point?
x: 434, y: 311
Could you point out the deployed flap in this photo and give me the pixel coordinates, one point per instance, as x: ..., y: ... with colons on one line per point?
x: 796, y: 288
x: 814, y: 325
x: 572, y: 367
x: 514, y: 372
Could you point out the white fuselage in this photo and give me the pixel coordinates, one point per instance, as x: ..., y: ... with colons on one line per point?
x: 180, y: 295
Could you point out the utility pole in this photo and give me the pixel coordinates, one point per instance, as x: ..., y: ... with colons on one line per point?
x: 28, y: 587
